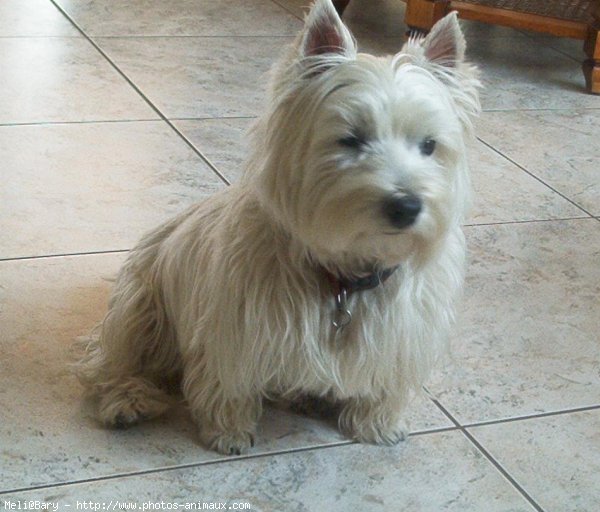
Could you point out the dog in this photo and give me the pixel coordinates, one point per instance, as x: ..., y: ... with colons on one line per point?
x: 330, y: 269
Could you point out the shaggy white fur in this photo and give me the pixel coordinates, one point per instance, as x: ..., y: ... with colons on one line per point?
x: 231, y: 298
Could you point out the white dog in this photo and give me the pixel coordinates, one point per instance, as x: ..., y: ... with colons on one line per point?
x: 330, y: 269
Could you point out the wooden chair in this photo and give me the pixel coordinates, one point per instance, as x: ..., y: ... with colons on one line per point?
x: 578, y: 19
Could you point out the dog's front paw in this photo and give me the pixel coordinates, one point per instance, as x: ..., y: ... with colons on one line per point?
x: 229, y: 443
x: 371, y: 426
x: 380, y: 434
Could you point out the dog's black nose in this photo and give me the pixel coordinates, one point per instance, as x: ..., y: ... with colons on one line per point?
x: 402, y: 211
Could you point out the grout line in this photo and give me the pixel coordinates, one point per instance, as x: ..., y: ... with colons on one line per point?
x: 197, y: 151
x: 446, y: 413
x: 54, y: 36
x: 526, y: 417
x: 101, y: 121
x: 532, y: 221
x: 69, y: 254
x: 437, y: 430
x: 141, y: 94
x: 104, y: 121
x: 562, y: 109
x: 533, y: 175
x: 489, y: 457
x: 207, y: 118
x: 194, y: 36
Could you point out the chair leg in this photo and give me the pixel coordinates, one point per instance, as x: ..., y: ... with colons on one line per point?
x: 421, y: 15
x: 591, y: 67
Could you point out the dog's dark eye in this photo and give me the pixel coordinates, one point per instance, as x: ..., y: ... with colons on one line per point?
x: 352, y: 141
x: 427, y: 147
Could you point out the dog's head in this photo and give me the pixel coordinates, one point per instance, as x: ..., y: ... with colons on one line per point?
x: 362, y: 158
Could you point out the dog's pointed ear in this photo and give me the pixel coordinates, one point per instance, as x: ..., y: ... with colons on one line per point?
x: 444, y: 45
x: 325, y: 33
x: 442, y: 53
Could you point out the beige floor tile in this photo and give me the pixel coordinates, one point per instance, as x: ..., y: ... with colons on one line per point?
x: 298, y: 8
x: 62, y: 79
x: 571, y: 47
x: 199, y: 77
x: 20, y: 18
x: 502, y: 192
x: 429, y: 473
x: 477, y: 29
x: 556, y: 459
x: 181, y: 18
x: 374, y: 19
x: 527, y: 338
x: 224, y: 142
x: 559, y: 147
x: 93, y: 187
x: 48, y: 434
x: 538, y: 77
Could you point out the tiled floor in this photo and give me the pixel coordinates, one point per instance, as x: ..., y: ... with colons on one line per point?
x: 115, y: 114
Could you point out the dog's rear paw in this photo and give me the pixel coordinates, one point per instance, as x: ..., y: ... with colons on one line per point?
x: 125, y: 420
x: 131, y: 402
x: 230, y: 443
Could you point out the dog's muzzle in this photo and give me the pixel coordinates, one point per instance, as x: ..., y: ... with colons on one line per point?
x: 402, y: 211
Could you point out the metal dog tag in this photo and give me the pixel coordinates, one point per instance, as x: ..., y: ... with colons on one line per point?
x: 343, y: 316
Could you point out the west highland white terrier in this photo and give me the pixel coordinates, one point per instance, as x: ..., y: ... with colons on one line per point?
x: 330, y: 269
